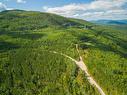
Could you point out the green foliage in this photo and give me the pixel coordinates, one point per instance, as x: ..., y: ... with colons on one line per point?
x: 27, y: 67
x: 107, y: 58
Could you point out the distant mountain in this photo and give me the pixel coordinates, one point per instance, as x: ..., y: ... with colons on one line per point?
x: 111, y: 22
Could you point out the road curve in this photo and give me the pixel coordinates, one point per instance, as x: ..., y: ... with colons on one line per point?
x: 83, y: 67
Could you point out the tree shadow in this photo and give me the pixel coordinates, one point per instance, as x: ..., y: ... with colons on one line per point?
x: 23, y: 35
x: 5, y: 46
x: 94, y: 43
x: 122, y: 43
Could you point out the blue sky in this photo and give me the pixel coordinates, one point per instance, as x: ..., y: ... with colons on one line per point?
x: 83, y: 9
x: 38, y: 4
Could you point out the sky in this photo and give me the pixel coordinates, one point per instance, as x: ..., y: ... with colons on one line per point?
x: 82, y: 9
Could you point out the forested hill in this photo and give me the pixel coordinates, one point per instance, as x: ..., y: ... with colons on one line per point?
x: 29, y: 66
x: 36, y: 20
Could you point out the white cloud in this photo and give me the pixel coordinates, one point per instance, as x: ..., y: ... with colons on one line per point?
x: 21, y: 1
x: 111, y: 14
x: 3, y: 7
x: 99, y: 9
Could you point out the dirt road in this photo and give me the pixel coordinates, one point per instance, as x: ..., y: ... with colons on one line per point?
x: 83, y: 67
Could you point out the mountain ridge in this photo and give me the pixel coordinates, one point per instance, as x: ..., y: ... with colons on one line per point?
x: 111, y: 22
x: 47, y: 19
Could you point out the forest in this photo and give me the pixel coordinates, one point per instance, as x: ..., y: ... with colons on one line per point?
x: 27, y: 67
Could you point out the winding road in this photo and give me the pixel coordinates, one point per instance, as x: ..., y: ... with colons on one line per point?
x: 83, y: 67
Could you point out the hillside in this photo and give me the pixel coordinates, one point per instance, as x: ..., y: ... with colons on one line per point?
x: 33, y: 46
x: 37, y: 20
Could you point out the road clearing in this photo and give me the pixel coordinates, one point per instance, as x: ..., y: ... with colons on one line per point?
x: 83, y: 67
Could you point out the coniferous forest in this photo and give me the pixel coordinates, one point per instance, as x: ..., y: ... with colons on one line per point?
x: 28, y: 66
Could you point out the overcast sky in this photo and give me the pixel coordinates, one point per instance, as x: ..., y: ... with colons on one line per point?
x: 83, y: 9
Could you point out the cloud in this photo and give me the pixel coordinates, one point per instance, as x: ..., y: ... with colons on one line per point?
x: 2, y: 6
x: 99, y: 9
x: 21, y: 1
x: 111, y: 14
